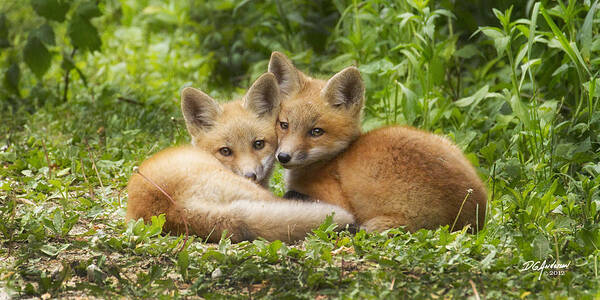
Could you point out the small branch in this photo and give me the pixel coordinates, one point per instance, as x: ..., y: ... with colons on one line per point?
x: 469, y: 191
x: 47, y: 159
x: 68, y: 72
x: 129, y: 100
x: 183, y: 216
x: 342, y: 270
x: 94, y: 164
x: 92, y: 195
x: 25, y: 201
x: 476, y: 294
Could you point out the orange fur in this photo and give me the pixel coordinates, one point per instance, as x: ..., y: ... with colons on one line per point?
x: 206, y: 185
x: 389, y: 177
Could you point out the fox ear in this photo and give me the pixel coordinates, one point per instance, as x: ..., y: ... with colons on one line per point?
x: 199, y: 110
x: 263, y: 96
x: 288, y: 78
x: 345, y: 88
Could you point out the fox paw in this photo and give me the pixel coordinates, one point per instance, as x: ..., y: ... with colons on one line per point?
x: 296, y: 196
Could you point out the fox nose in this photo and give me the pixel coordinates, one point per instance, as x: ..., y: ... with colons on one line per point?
x: 251, y: 176
x: 283, y: 157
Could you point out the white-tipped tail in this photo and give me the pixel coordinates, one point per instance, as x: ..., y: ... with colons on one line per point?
x: 286, y: 220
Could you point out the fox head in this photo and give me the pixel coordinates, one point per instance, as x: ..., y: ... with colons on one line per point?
x: 240, y: 134
x: 318, y: 119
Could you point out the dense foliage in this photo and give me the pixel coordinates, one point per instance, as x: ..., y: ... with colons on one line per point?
x: 91, y: 89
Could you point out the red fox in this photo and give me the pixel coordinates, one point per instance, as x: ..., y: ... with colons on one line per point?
x: 237, y: 138
x: 389, y: 177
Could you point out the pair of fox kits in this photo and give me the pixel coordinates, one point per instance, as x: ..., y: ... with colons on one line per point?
x: 390, y: 177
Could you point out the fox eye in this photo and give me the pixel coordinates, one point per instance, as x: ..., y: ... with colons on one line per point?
x: 225, y: 151
x: 316, y: 132
x: 258, y: 144
x: 283, y: 125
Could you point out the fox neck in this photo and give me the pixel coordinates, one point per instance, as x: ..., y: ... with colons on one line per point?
x: 295, y: 177
x: 299, y: 174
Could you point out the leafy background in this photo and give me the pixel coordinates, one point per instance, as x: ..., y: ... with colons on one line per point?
x: 90, y: 89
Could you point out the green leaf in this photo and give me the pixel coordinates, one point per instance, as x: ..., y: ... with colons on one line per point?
x: 58, y: 221
x: 475, y: 98
x: 500, y: 39
x: 569, y: 48
x: 487, y: 261
x: 4, y: 42
x: 377, y: 67
x: 53, y: 251
x: 69, y: 223
x: 467, y: 51
x: 51, y: 9
x: 156, y: 225
x: 68, y: 64
x: 12, y: 76
x: 88, y: 10
x: 520, y: 110
x: 46, y: 34
x: 585, y: 33
x: 541, y: 247
x: 36, y: 56
x: 532, y: 27
x: 83, y: 34
x: 183, y: 262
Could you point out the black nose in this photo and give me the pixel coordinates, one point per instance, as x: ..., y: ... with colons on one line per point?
x: 251, y: 176
x: 283, y: 157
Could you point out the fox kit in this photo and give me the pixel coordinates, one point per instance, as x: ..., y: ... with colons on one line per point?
x: 214, y: 182
x: 390, y: 177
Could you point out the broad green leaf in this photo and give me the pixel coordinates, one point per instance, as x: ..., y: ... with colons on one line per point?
x: 585, y: 33
x: 526, y: 67
x: 566, y: 46
x: 51, y: 9
x: 500, y: 39
x: 12, y: 76
x: 541, y: 247
x: 83, y: 34
x: 520, y: 109
x: 475, y: 98
x: 411, y: 56
x: 54, y: 251
x: 183, y: 262
x: 46, y: 34
x: 467, y: 51
x: 58, y: 221
x: 69, y: 223
x: 377, y: 67
x: 4, y: 42
x: 532, y: 28
x: 36, y: 56
x: 88, y: 10
x: 548, y: 196
x: 487, y: 261
x: 156, y: 225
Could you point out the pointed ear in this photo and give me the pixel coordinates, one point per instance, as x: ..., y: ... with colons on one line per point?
x: 345, y: 89
x: 288, y: 77
x: 263, y: 96
x: 199, y: 110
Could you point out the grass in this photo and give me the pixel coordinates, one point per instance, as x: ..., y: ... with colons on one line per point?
x: 517, y: 93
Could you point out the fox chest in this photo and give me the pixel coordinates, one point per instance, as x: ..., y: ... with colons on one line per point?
x: 320, y: 183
